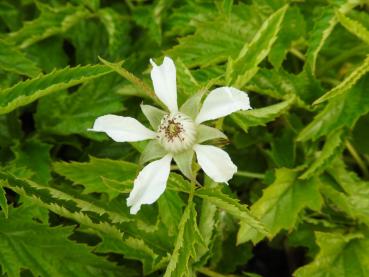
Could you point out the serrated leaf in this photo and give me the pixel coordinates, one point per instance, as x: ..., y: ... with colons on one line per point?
x: 351, y: 195
x: 324, y: 25
x: 93, y: 174
x: 118, y: 28
x: 30, y: 90
x: 218, y: 38
x: 170, y: 209
x: 65, y: 114
x: 15, y: 61
x: 185, y: 250
x: 292, y: 28
x: 231, y: 206
x: 245, y: 66
x: 333, y: 146
x: 340, y: 255
x: 347, y: 83
x: 281, y: 204
x: 52, y: 21
x: 354, y: 27
x: 344, y: 110
x: 34, y: 156
x: 261, y: 116
x: 44, y: 250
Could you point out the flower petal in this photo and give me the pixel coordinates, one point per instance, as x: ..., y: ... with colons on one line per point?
x: 122, y: 129
x: 221, y: 102
x: 215, y: 162
x: 149, y: 184
x: 164, y: 81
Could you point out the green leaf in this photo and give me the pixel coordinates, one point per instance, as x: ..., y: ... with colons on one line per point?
x: 342, y: 111
x: 3, y: 201
x: 325, y: 23
x: 118, y: 28
x: 34, y: 156
x: 98, y: 175
x: 340, y: 255
x: 52, y: 21
x: 281, y: 204
x: 346, y: 84
x: 261, y: 116
x: 333, y: 147
x: 231, y: 206
x: 170, y: 209
x: 218, y: 38
x: 15, y: 61
x: 347, y: 191
x: 117, y: 67
x: 44, y: 250
x: 184, y: 252
x: 65, y: 114
x: 354, y: 27
x: 30, y: 90
x: 292, y: 28
x: 245, y: 66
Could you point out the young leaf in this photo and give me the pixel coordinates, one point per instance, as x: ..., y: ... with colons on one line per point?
x: 245, y: 66
x: 343, y: 255
x: 15, y: 61
x: 30, y: 90
x: 100, y: 175
x: 281, y: 204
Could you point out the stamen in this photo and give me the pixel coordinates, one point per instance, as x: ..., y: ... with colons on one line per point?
x: 176, y: 132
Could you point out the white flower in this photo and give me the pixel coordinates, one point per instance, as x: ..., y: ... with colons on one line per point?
x: 178, y: 134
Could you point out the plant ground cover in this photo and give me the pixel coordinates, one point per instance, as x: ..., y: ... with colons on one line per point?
x: 298, y: 204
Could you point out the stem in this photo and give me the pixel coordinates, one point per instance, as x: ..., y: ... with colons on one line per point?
x: 250, y: 174
x: 357, y: 158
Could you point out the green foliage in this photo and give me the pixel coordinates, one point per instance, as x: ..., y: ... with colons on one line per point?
x: 298, y: 203
x: 281, y: 204
x: 340, y: 255
x: 44, y: 250
x: 244, y: 67
x: 30, y: 90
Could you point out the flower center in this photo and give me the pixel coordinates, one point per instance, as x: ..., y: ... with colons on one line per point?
x: 176, y: 132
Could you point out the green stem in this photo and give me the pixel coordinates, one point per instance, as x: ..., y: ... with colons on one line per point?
x: 357, y: 158
x: 250, y: 174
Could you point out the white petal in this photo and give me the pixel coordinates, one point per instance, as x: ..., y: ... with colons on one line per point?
x: 149, y: 184
x: 215, y: 162
x: 221, y: 102
x: 121, y: 128
x: 164, y: 81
